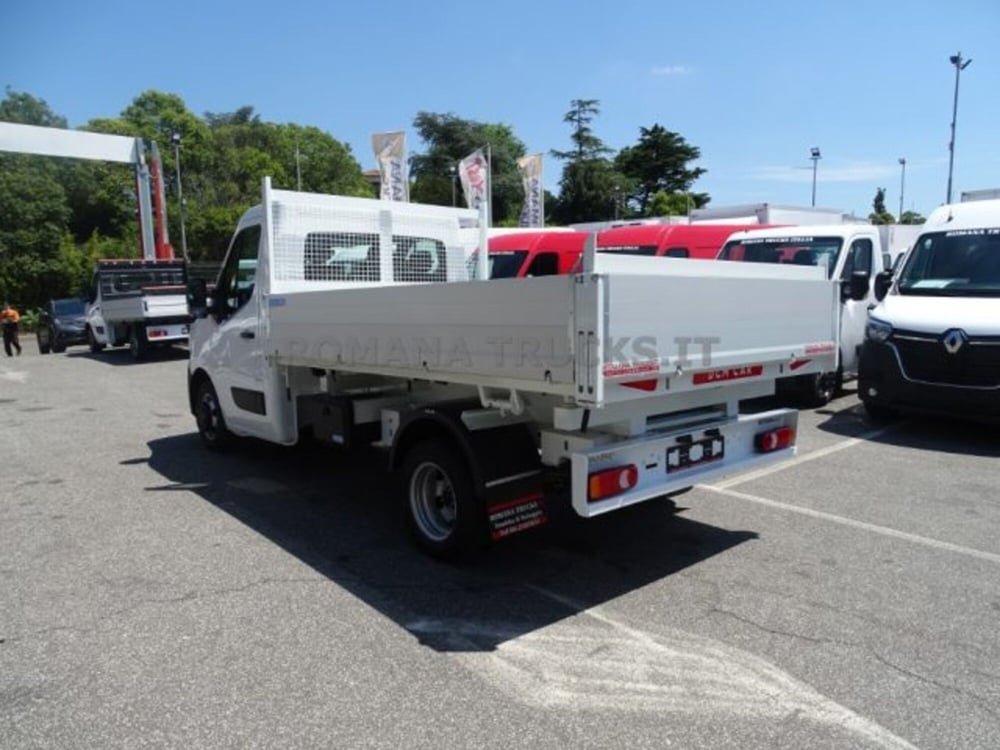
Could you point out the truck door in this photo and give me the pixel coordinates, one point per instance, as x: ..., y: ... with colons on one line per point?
x: 854, y: 313
x: 239, y: 368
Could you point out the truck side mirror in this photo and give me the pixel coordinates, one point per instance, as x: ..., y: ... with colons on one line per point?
x: 198, y: 298
x: 856, y: 287
x: 883, y: 282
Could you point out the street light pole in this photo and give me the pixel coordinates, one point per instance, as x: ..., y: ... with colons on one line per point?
x: 454, y: 172
x: 175, y: 138
x: 902, y: 186
x: 815, y: 155
x: 960, y: 65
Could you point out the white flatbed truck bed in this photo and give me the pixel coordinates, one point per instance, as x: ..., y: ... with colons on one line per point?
x: 354, y: 320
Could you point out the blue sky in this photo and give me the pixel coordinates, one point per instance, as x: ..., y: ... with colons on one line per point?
x: 753, y: 85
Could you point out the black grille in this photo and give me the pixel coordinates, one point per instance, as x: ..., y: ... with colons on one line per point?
x: 975, y: 364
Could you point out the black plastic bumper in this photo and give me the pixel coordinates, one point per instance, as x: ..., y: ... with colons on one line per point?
x: 882, y: 382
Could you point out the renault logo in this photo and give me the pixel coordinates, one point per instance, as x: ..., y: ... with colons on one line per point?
x: 953, y: 340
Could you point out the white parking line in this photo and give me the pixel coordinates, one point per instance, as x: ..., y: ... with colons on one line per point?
x: 874, y: 528
x: 811, y: 456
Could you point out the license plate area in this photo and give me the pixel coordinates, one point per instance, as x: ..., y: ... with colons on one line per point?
x: 695, y: 453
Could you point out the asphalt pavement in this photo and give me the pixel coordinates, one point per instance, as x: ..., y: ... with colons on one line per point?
x: 153, y: 594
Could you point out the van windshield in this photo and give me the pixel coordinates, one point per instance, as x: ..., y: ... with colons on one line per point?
x: 961, y: 263
x: 504, y: 264
x: 800, y: 251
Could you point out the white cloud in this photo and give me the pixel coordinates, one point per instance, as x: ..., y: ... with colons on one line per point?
x: 857, y: 172
x: 671, y: 70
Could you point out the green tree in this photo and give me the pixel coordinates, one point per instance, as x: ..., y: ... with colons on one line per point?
x: 449, y: 139
x: 659, y: 163
x: 879, y: 214
x: 911, y: 217
x: 675, y: 204
x: 588, y: 183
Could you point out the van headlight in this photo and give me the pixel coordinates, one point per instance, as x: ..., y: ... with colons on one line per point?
x: 877, y: 330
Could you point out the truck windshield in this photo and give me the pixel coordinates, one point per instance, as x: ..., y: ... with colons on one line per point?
x: 961, y: 263
x: 800, y: 251
x: 629, y: 249
x: 69, y: 307
x: 504, y: 264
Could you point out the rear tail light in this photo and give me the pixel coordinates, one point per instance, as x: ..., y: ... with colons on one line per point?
x: 775, y: 440
x: 610, y: 482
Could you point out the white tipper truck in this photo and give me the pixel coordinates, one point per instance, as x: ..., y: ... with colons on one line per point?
x: 354, y: 320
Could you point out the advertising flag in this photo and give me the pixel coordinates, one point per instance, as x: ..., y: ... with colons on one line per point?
x: 390, y: 152
x: 532, y: 214
x: 474, y: 172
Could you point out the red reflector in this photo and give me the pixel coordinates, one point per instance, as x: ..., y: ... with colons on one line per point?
x: 611, y: 482
x: 642, y: 385
x: 775, y: 440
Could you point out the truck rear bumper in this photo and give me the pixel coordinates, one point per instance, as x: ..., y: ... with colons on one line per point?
x: 163, y: 333
x: 652, y: 466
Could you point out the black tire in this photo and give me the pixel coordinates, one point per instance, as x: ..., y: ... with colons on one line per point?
x: 56, y: 346
x: 445, y: 513
x: 95, y: 346
x: 877, y: 413
x: 817, y: 391
x: 137, y: 344
x: 42, y: 348
x: 208, y: 415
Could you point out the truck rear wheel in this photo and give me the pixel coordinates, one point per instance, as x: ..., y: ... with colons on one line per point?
x: 817, y: 390
x: 208, y: 414
x: 444, y: 511
x: 137, y: 344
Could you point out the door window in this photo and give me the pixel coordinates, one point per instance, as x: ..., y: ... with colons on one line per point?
x: 237, y: 277
x: 859, y: 258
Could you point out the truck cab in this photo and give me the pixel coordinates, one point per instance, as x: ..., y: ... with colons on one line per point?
x: 852, y: 255
x: 533, y: 253
x: 932, y: 343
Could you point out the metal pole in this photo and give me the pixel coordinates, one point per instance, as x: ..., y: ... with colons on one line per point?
x: 815, y: 162
x: 176, y: 138
x: 902, y: 187
x: 956, y: 60
x: 454, y: 173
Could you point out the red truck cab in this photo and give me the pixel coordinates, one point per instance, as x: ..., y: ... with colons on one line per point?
x: 535, y: 253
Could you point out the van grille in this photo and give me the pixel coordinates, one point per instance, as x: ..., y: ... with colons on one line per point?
x: 976, y: 364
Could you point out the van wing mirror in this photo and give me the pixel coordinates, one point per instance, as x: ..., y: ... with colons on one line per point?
x: 856, y: 287
x: 198, y: 298
x: 883, y: 281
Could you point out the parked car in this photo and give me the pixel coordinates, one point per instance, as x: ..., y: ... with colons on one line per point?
x: 61, y: 323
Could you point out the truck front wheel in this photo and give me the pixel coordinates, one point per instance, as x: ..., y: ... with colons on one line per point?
x: 444, y: 511
x: 95, y: 345
x: 208, y: 414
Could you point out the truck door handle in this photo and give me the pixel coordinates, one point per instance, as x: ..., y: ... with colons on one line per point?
x: 246, y: 334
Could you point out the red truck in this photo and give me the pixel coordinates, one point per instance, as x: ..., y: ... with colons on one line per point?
x: 671, y: 240
x: 548, y: 252
x: 535, y: 253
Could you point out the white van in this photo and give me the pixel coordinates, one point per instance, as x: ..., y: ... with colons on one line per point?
x: 932, y: 344
x: 853, y: 256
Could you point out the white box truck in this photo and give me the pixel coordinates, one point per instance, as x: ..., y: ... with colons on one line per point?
x: 354, y: 320
x: 851, y: 256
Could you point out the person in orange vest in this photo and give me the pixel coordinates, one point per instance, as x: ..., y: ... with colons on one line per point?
x: 9, y: 318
